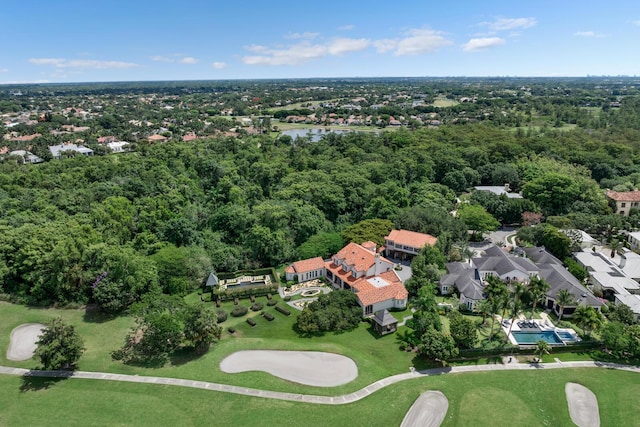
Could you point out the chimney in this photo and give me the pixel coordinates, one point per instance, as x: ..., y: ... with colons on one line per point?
x: 378, y: 265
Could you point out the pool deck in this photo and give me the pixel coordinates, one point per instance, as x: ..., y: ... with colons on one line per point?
x: 538, y: 325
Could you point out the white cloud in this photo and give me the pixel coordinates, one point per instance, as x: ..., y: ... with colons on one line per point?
x: 303, y: 51
x: 81, y: 63
x: 482, y: 43
x: 189, y: 60
x: 46, y: 61
x: 219, y: 65
x: 504, y: 24
x: 160, y: 58
x: 4, y: 70
x: 636, y: 23
x: 588, y: 34
x: 415, y: 42
x: 340, y: 46
x: 305, y: 35
x: 347, y: 27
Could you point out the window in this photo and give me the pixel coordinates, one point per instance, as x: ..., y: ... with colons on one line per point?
x: 621, y: 212
x: 445, y: 289
x: 623, y: 204
x: 368, y: 309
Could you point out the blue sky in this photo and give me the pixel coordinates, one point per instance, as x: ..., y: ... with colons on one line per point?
x: 84, y: 41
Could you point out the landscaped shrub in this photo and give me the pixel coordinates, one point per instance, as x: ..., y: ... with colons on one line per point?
x: 239, y: 310
x: 269, y: 316
x: 232, y: 330
x: 218, y: 302
x: 283, y: 310
x: 257, y: 306
x: 252, y: 298
x: 287, y: 298
x: 269, y: 297
x: 271, y: 302
x: 222, y: 315
x: 251, y: 322
x: 236, y: 301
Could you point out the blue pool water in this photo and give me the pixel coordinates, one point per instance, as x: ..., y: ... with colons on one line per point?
x: 566, y: 336
x: 533, y: 337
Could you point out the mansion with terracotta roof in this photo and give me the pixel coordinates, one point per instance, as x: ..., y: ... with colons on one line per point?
x: 405, y: 244
x: 358, y: 268
x: 624, y: 201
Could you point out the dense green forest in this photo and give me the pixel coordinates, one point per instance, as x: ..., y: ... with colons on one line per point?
x: 161, y: 218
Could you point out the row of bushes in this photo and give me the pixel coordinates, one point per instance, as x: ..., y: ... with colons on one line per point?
x: 226, y: 295
x: 256, y: 272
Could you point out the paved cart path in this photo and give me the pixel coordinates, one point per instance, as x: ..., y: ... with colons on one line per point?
x: 310, y: 398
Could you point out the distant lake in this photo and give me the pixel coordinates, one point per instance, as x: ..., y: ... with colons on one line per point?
x: 314, y: 133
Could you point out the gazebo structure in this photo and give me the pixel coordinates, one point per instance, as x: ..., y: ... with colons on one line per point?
x: 384, y: 323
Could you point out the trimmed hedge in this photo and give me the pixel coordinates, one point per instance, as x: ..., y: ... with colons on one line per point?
x: 239, y: 311
x: 269, y: 316
x: 222, y: 315
x: 232, y: 330
x: 227, y: 295
x: 287, y: 298
x: 283, y: 310
x: 251, y: 322
x: 271, y: 302
x: 257, y: 306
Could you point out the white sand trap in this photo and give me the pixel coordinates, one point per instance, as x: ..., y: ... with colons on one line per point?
x: 305, y: 367
x: 22, y: 344
x: 428, y: 410
x: 583, y: 405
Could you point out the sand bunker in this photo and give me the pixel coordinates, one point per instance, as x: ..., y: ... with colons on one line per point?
x: 583, y: 405
x: 428, y: 410
x: 22, y: 344
x: 305, y: 367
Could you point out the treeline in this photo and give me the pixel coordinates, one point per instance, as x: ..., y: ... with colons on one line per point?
x: 112, y: 229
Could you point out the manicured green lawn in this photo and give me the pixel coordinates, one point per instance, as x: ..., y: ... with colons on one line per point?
x: 496, y: 399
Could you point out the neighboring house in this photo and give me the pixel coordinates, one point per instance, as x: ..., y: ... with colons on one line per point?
x: 117, y: 146
x: 405, y: 244
x: 634, y: 240
x: 27, y: 156
x: 560, y: 278
x: 106, y: 139
x: 611, y: 276
x: 305, y: 270
x: 464, y: 278
x: 156, y: 138
x: 499, y: 191
x: 624, y: 201
x: 57, y: 150
x: 498, y: 262
x: 586, y: 241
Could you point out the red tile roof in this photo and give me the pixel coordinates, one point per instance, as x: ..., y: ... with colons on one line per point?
x: 306, y: 265
x: 411, y: 238
x: 624, y: 196
x: 369, y: 245
x: 369, y: 294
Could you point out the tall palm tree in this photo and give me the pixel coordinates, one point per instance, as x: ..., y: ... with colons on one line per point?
x: 484, y: 308
x: 563, y: 299
x: 588, y: 318
x: 516, y: 309
x: 538, y: 288
x: 497, y: 294
x: 542, y: 348
x: 615, y: 245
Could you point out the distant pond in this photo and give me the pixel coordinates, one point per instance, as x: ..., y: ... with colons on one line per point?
x: 314, y: 133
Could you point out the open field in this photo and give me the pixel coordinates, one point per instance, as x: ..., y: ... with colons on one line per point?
x: 507, y: 398
x: 444, y: 102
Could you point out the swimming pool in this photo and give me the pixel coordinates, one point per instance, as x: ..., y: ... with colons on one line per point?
x: 566, y: 336
x: 533, y: 337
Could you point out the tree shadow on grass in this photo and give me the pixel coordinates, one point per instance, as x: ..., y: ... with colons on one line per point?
x: 185, y: 355
x: 33, y: 382
x: 92, y: 314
